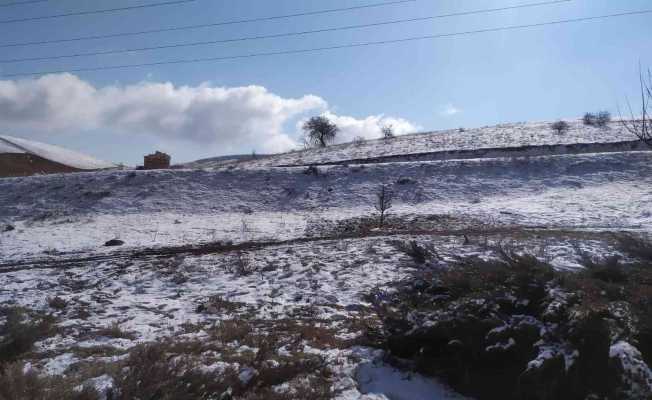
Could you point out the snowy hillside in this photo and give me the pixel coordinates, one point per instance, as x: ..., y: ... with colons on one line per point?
x: 490, y: 137
x: 9, y: 144
x: 155, y: 208
x: 253, y: 281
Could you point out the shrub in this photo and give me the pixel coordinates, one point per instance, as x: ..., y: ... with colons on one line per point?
x: 384, y: 198
x: 151, y: 373
x: 242, y: 264
x: 115, y: 332
x: 635, y: 247
x: 560, y: 127
x: 419, y: 254
x: 601, y: 119
x: 17, y: 383
x: 311, y: 170
x: 57, y: 303
x: 387, y: 132
x: 21, y: 331
x: 505, y: 327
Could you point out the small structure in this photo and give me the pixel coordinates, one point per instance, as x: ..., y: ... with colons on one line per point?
x: 157, y: 160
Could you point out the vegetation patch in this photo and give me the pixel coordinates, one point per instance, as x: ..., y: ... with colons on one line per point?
x: 512, y: 327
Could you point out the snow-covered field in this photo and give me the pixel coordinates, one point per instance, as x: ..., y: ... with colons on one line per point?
x: 257, y: 245
x: 79, y: 212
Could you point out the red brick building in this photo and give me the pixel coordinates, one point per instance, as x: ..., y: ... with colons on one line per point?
x: 157, y: 160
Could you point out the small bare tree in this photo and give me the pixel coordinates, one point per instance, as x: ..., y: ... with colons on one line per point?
x: 387, y: 131
x: 560, y: 127
x: 641, y: 126
x: 384, y: 198
x: 320, y: 131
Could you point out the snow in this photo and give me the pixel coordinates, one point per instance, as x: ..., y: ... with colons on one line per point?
x: 9, y: 144
x: 59, y: 364
x: 379, y: 381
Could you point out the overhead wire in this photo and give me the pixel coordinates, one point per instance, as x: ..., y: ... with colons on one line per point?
x: 209, y: 25
x: 278, y: 35
x: 336, y: 47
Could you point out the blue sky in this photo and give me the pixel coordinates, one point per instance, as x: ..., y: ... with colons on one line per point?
x: 535, y: 74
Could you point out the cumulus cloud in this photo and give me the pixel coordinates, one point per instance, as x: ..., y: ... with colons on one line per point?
x: 231, y: 118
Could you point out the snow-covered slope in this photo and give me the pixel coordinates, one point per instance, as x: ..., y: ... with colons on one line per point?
x: 159, y: 208
x: 489, y: 137
x: 9, y: 144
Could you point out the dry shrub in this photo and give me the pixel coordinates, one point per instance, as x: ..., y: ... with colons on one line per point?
x: 231, y: 330
x: 635, y: 247
x: 18, y: 384
x: 57, y: 303
x: 419, y: 253
x: 21, y: 330
x: 241, y: 264
x: 152, y: 372
x: 114, y: 331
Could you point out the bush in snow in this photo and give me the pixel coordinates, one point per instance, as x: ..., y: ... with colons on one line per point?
x: 319, y: 131
x: 21, y: 330
x: 241, y: 264
x: 510, y: 326
x: 601, y: 119
x: 383, y: 203
x: 560, y: 127
x: 387, y: 132
x: 419, y: 253
x: 20, y: 382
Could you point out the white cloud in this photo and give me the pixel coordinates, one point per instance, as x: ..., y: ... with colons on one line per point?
x: 231, y: 119
x: 450, y: 110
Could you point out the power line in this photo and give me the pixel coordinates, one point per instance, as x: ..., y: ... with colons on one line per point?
x: 221, y: 23
x: 278, y: 35
x: 343, y: 46
x: 106, y: 10
x: 20, y: 3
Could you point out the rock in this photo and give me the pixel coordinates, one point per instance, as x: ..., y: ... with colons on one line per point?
x: 8, y: 228
x: 246, y: 375
x: 114, y: 242
x: 406, y: 181
x: 355, y: 307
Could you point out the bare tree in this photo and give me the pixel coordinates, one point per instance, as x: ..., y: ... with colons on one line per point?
x: 641, y: 126
x: 387, y: 131
x: 320, y: 131
x: 560, y: 127
x: 384, y: 198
